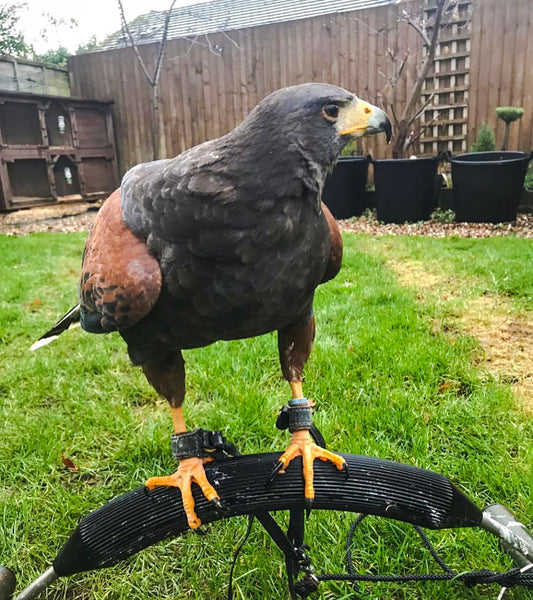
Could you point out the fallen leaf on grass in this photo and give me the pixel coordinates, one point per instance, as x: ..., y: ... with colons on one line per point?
x: 34, y: 305
x: 69, y: 464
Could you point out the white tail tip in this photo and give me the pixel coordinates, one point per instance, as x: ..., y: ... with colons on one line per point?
x: 43, y: 342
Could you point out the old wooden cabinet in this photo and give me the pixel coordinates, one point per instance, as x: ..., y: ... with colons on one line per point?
x: 53, y: 149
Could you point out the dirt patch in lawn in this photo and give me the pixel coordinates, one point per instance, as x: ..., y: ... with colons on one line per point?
x: 505, y: 336
x: 413, y: 274
x: 507, y: 339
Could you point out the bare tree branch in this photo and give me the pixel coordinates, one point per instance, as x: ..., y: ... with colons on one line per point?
x: 370, y: 29
x: 395, y: 117
x: 162, y: 45
x: 153, y: 80
x: 193, y: 41
x: 210, y: 46
x: 127, y: 30
x: 429, y: 30
x: 232, y: 41
x: 414, y: 96
x: 400, y: 69
x: 424, y: 106
x: 407, y: 18
x: 207, y: 44
x: 423, y: 129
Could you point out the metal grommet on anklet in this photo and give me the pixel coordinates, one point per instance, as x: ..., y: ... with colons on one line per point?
x: 298, y: 402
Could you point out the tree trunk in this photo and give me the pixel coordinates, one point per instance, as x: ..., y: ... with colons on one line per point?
x: 153, y: 81
x: 506, y: 136
x: 155, y: 122
x: 410, y: 114
x: 401, y: 139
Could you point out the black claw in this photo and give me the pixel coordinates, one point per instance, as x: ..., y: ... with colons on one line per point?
x: 277, y: 468
x: 219, y: 507
x: 346, y: 471
x: 308, y: 503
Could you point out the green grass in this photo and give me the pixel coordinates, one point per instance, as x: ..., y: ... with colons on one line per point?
x: 387, y: 383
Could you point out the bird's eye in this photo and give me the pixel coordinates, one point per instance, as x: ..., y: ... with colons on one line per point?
x: 330, y: 111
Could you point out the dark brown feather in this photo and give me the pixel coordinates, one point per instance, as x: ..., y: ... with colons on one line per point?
x: 235, y: 228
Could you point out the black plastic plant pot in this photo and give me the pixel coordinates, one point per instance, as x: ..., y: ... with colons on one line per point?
x: 405, y: 189
x: 344, y: 191
x: 487, y: 186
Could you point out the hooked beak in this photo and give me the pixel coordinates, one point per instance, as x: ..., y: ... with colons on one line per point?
x: 361, y: 118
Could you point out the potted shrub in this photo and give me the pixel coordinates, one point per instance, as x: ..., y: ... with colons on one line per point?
x: 508, y: 114
x: 486, y: 141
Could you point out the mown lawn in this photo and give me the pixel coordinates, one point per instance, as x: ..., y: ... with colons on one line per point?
x: 394, y: 372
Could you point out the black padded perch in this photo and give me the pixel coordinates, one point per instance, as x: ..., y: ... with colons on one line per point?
x: 378, y: 487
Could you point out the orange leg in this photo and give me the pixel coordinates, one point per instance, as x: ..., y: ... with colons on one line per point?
x: 302, y: 444
x: 297, y: 390
x: 168, y: 379
x: 177, y: 420
x: 190, y: 470
x: 294, y: 345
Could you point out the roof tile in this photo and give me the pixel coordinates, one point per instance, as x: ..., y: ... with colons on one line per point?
x: 229, y: 15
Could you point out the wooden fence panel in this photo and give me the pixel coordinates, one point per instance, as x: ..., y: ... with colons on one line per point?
x: 501, y: 68
x: 18, y: 75
x: 208, y: 85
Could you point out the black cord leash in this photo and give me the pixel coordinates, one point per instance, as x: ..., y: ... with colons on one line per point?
x: 297, y: 559
x: 507, y: 579
x: 309, y: 583
x: 236, y: 555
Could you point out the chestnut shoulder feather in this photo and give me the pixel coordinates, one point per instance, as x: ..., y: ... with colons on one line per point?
x: 121, y: 280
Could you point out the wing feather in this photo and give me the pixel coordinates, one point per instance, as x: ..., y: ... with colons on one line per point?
x: 121, y: 280
x: 335, y: 254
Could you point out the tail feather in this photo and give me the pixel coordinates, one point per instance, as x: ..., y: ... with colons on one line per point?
x: 71, y: 319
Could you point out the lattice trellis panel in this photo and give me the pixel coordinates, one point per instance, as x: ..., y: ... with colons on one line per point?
x: 445, y: 118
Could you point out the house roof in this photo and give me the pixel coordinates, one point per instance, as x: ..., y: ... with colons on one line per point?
x: 228, y: 15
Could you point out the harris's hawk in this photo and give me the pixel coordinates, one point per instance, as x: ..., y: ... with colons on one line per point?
x: 228, y: 240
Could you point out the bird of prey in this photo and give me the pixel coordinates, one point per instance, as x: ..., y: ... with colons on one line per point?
x: 228, y: 240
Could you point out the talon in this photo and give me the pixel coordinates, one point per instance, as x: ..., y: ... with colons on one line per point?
x: 219, y: 507
x: 303, y: 445
x: 308, y: 503
x: 278, y: 468
x: 346, y: 471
